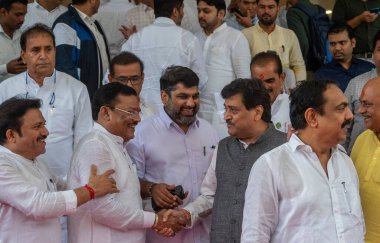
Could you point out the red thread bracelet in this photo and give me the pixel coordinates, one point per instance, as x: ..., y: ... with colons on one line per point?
x: 91, y: 191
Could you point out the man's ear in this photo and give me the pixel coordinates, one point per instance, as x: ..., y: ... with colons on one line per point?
x: 353, y: 42
x: 104, y: 113
x: 164, y: 97
x: 311, y: 117
x: 259, y: 111
x: 10, y: 135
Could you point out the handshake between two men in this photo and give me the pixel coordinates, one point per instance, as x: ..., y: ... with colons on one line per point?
x: 165, y: 198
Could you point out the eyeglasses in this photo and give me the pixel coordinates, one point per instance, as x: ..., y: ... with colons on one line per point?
x: 135, y: 80
x: 129, y: 113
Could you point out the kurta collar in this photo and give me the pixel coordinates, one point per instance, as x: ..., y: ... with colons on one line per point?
x: 117, y: 139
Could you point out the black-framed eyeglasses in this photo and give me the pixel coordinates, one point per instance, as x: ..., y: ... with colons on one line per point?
x: 135, y: 80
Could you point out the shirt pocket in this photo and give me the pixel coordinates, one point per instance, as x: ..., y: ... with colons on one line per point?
x: 348, y: 201
x: 60, y: 121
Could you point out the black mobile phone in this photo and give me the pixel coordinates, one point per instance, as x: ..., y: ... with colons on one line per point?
x: 375, y: 10
x: 238, y: 11
x: 177, y: 191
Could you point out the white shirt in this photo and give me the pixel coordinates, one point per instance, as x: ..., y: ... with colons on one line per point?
x: 227, y: 56
x: 112, y: 15
x: 38, y: 14
x: 280, y: 113
x: 67, y: 119
x: 29, y: 203
x: 9, y: 49
x: 115, y: 217
x: 290, y: 199
x: 160, y: 45
x: 100, y: 41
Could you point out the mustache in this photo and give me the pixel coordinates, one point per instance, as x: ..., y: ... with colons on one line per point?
x: 346, y: 123
x: 41, y: 137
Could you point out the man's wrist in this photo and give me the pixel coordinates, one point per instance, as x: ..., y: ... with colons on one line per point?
x: 150, y: 189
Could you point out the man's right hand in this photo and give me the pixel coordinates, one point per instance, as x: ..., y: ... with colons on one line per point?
x: 245, y: 21
x: 368, y: 17
x: 102, y: 184
x: 16, y: 66
x: 162, y: 196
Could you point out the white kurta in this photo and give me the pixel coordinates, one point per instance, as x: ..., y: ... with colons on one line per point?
x: 160, y: 45
x: 66, y: 108
x: 280, y: 113
x: 116, y: 217
x: 227, y: 56
x: 29, y: 203
x: 112, y: 15
x: 289, y: 198
x: 38, y: 14
x: 9, y: 49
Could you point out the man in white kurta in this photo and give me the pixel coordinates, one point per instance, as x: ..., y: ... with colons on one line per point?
x: 307, y: 189
x: 163, y: 44
x: 227, y: 56
x: 267, y: 67
x: 10, y: 22
x: 44, y: 12
x: 29, y: 201
x: 118, y: 217
x: 66, y: 104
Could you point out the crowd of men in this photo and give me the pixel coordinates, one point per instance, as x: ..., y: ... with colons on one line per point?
x: 188, y: 121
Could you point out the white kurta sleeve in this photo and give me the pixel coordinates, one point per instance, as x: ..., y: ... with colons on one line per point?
x: 83, y: 115
x: 241, y: 58
x: 109, y: 210
x: 260, y: 216
x: 32, y: 197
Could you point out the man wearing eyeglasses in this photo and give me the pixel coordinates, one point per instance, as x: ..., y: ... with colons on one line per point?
x: 128, y: 69
x: 113, y: 218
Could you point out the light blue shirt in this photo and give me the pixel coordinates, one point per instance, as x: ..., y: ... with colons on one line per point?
x: 232, y: 22
x: 164, y: 153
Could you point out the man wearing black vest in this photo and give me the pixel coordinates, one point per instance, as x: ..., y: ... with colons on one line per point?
x: 248, y: 118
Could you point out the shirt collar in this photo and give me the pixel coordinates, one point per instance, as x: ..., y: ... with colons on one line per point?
x: 47, y: 80
x: 84, y: 16
x: 164, y: 20
x: 38, y: 6
x: 4, y: 150
x: 263, y: 137
x: 296, y: 143
x: 15, y: 34
x: 169, y: 122
x: 119, y: 140
x: 260, y: 29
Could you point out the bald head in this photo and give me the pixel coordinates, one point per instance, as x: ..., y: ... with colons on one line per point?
x: 370, y: 104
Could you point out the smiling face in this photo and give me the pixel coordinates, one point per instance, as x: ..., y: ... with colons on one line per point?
x: 240, y: 121
x: 39, y: 55
x: 370, y: 105
x: 124, y: 117
x: 30, y: 142
x: 182, y: 104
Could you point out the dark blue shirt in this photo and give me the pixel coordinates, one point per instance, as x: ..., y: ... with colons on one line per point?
x: 335, y: 72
